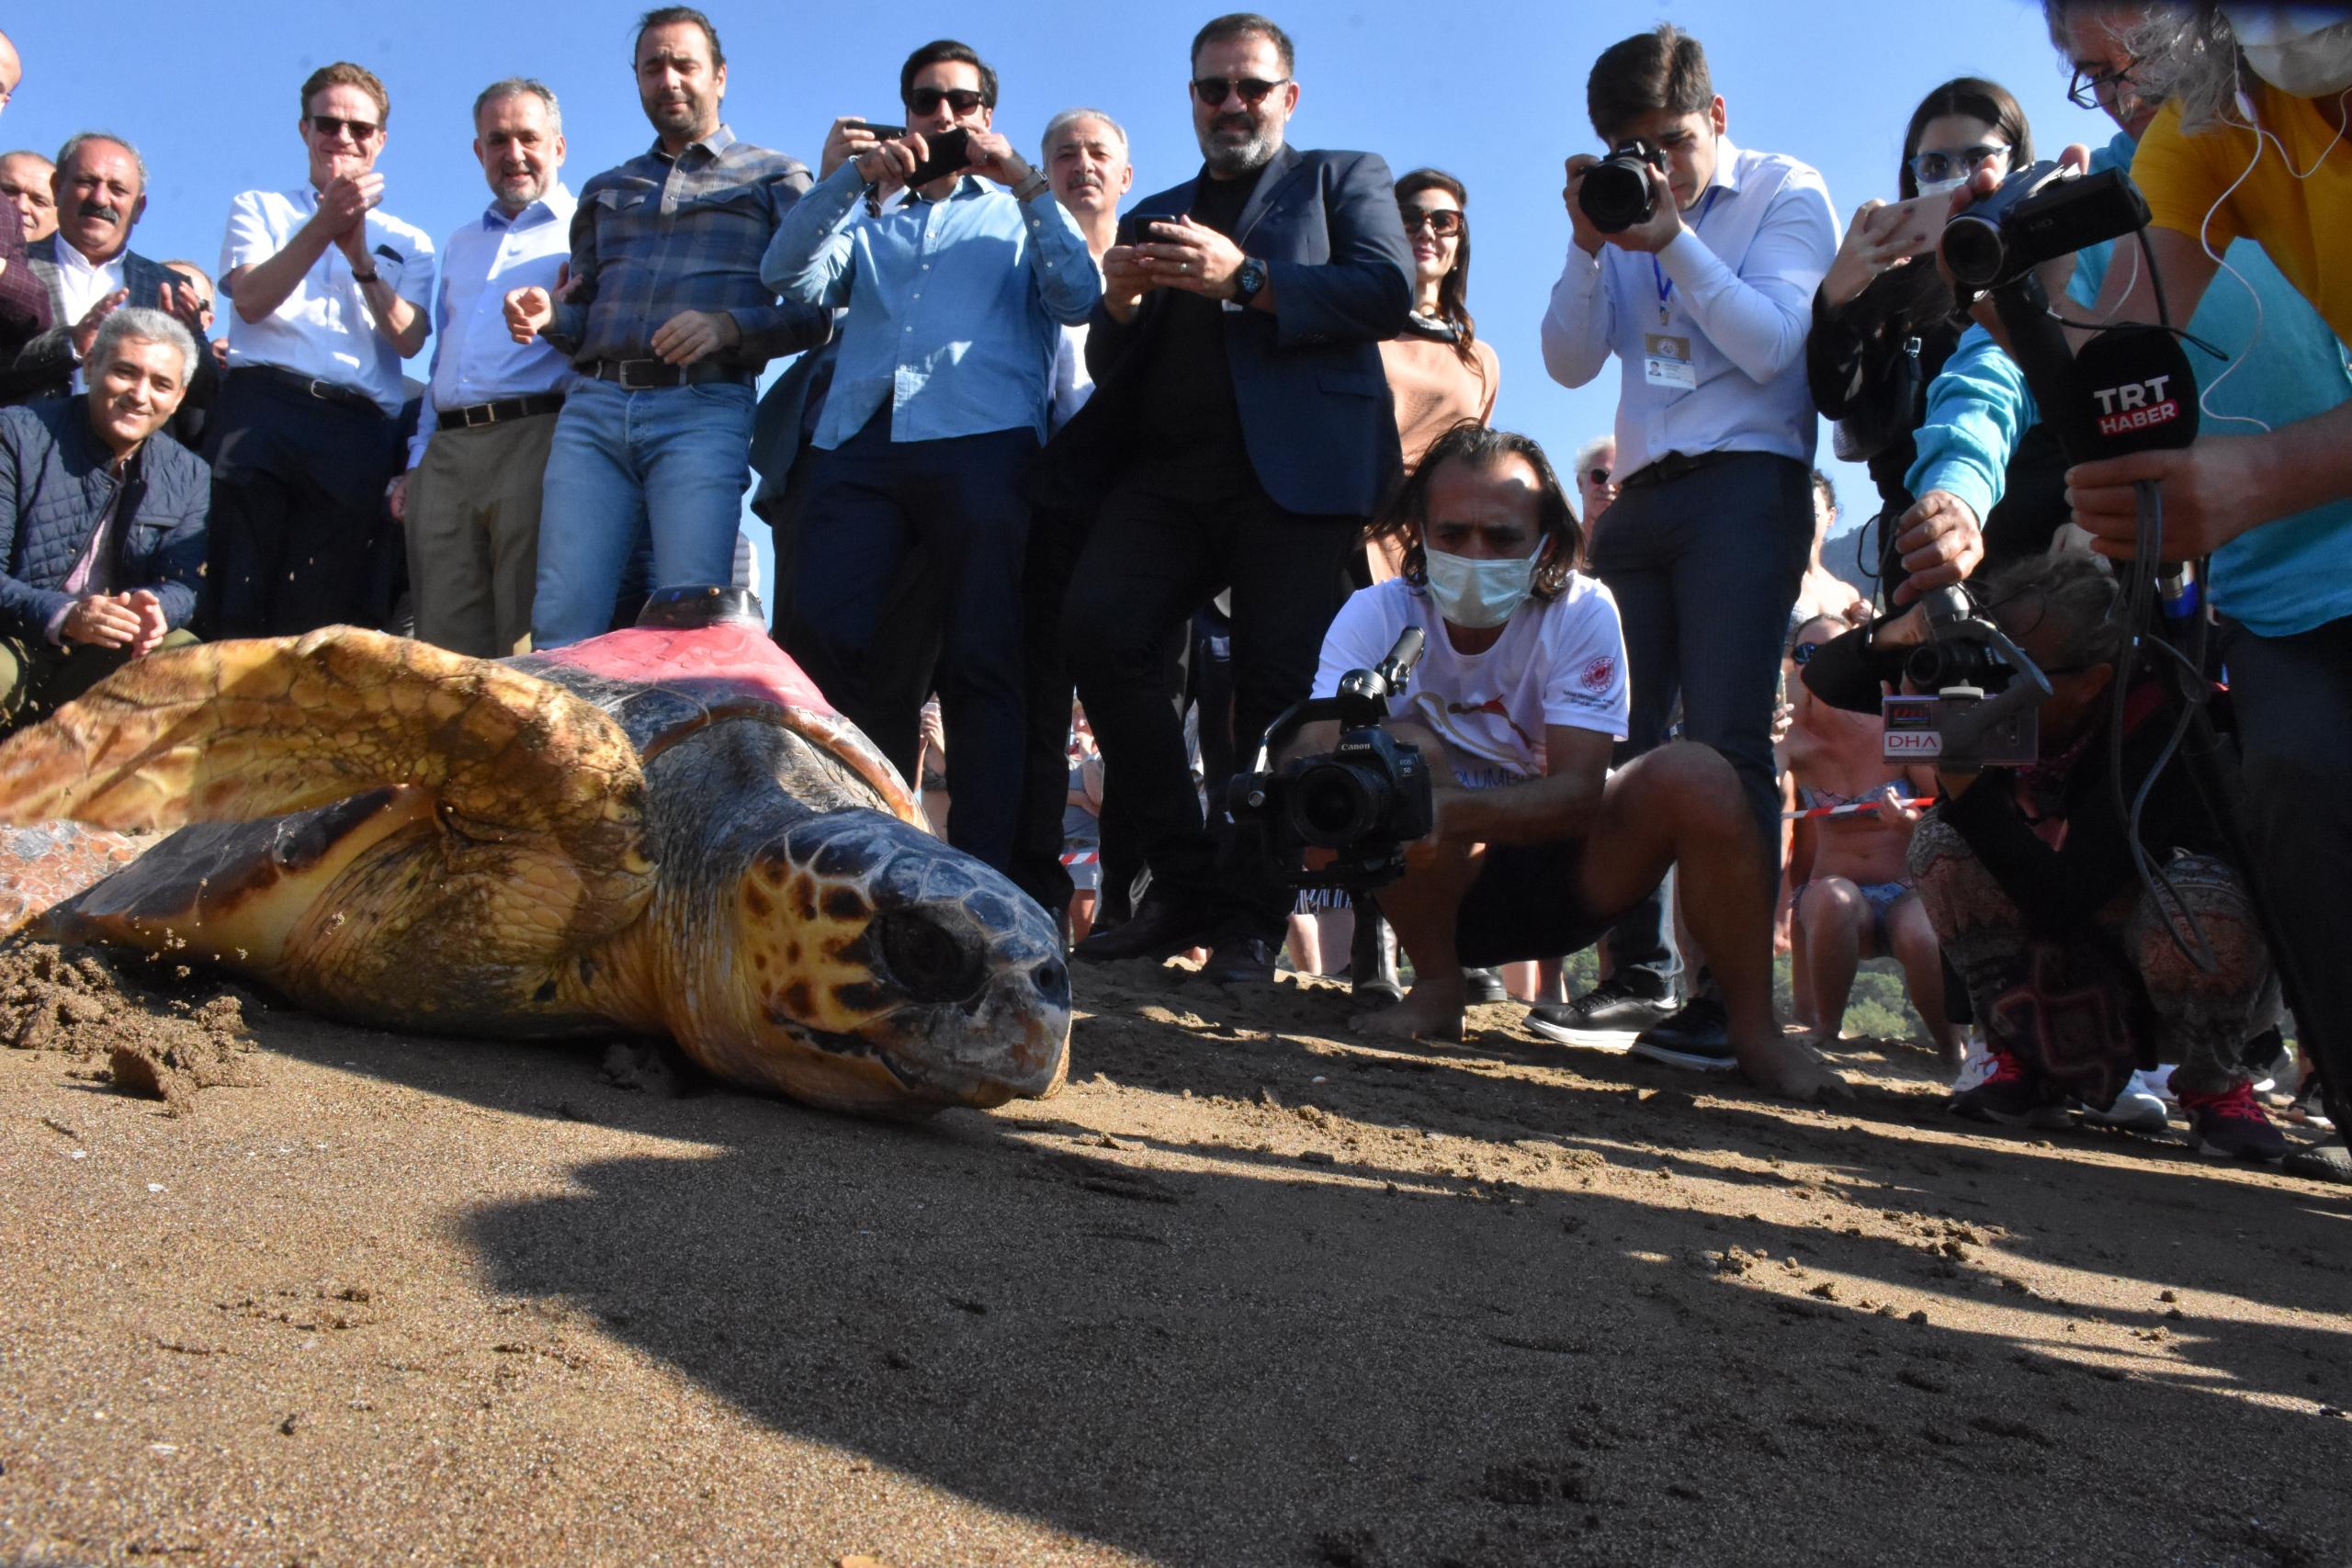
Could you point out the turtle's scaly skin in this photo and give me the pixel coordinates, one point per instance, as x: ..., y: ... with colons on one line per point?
x: 665, y: 829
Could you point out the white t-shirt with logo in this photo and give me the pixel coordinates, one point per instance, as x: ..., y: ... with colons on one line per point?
x: 1559, y: 663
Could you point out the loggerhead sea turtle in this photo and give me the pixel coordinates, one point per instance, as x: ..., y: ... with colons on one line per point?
x: 667, y: 830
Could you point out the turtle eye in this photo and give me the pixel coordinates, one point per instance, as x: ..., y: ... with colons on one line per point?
x: 930, y: 963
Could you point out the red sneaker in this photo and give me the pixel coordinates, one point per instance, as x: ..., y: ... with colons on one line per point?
x: 2012, y: 1096
x: 2231, y: 1125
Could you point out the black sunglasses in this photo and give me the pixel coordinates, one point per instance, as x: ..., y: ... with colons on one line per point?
x: 2083, y: 90
x: 1596, y: 476
x: 328, y: 125
x: 1213, y: 90
x: 1441, y: 220
x: 926, y: 100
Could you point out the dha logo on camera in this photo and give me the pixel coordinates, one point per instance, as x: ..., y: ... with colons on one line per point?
x: 1910, y: 729
x: 2136, y: 405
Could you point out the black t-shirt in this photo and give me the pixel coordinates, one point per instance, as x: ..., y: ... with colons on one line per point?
x: 1189, y: 411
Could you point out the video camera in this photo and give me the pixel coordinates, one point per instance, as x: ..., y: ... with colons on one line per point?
x: 1616, y: 191
x: 1364, y: 799
x: 2042, y: 210
x: 1976, y: 698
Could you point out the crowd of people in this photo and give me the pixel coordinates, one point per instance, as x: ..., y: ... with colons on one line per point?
x: 1111, y: 482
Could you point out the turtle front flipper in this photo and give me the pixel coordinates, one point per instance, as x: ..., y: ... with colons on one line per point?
x: 533, y: 801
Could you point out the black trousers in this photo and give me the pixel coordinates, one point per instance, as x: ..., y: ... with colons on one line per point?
x: 298, y: 537
x: 1163, y: 544
x: 2293, y: 700
x: 1705, y: 569
x: 959, y: 500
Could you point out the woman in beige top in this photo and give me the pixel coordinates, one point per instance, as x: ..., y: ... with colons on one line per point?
x: 1438, y: 372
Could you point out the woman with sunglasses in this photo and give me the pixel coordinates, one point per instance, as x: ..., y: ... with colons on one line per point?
x: 1883, y: 321
x: 1440, y: 372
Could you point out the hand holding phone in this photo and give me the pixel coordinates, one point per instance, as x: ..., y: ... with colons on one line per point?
x: 949, y: 153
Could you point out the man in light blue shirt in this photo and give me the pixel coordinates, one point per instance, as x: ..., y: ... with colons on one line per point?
x: 1705, y: 304
x: 470, y: 498
x: 954, y: 297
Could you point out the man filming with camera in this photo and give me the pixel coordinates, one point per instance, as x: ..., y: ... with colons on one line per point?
x: 1694, y: 262
x: 1521, y: 689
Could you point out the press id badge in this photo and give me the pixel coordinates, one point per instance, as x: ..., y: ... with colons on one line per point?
x: 1666, y: 362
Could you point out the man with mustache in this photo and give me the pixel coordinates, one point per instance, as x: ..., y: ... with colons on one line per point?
x: 102, y: 518
x: 328, y: 295
x: 1240, y: 435
x: 470, y: 498
x: 90, y: 271
x: 668, y: 324
x: 25, y: 179
x: 24, y: 303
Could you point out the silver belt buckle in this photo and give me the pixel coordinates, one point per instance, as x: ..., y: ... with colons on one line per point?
x: 488, y: 415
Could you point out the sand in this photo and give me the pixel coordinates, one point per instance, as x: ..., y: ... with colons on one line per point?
x: 1249, y: 1291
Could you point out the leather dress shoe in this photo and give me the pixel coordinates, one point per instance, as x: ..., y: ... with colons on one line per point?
x: 1241, y: 961
x: 1158, y: 927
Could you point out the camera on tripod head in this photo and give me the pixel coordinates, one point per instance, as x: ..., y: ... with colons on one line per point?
x: 1616, y: 191
x: 1976, y: 697
x: 1364, y: 800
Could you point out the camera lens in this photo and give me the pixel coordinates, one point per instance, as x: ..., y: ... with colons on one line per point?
x: 1616, y: 193
x: 1974, y: 251
x: 1332, y: 805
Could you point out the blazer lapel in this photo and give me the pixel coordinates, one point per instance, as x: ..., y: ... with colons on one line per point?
x: 41, y: 256
x: 1285, y: 167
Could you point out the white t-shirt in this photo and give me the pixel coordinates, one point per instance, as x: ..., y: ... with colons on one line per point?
x: 1559, y: 663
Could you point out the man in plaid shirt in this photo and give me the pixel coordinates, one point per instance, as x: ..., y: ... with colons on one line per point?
x: 668, y: 323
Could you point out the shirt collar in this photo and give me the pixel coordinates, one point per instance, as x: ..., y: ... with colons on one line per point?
x: 1726, y: 167
x: 556, y: 207
x: 72, y: 260
x: 718, y: 141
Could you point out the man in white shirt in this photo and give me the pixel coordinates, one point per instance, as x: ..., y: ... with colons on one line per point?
x: 89, y: 270
x: 1705, y: 303
x: 1519, y: 696
x: 328, y: 295
x: 470, y: 498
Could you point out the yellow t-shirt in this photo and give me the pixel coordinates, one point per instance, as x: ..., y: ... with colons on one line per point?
x: 2304, y: 224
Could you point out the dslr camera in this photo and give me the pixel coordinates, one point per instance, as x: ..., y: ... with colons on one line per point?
x: 1975, y: 698
x: 1364, y: 800
x: 2041, y: 211
x: 1616, y: 191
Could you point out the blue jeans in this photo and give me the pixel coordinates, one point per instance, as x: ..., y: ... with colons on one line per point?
x: 674, y: 458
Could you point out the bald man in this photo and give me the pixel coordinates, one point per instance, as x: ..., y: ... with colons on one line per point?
x: 24, y: 303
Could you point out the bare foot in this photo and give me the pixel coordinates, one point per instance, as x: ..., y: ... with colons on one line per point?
x: 1421, y: 1016
x: 1791, y: 1069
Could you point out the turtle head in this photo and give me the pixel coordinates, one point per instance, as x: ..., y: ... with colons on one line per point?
x: 875, y: 969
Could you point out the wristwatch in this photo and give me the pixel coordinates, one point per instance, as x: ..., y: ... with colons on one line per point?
x: 1248, y: 278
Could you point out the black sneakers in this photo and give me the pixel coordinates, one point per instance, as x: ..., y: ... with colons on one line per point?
x: 1697, y: 1039
x: 1609, y: 1016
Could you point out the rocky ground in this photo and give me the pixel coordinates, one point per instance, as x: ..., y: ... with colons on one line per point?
x: 274, y: 1291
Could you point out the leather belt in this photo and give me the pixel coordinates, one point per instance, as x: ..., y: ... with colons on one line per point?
x: 634, y: 374
x: 1673, y: 466
x: 325, y: 391
x: 474, y: 415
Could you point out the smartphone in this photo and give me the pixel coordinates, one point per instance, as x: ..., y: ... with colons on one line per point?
x: 880, y: 132
x: 1916, y: 224
x: 950, y: 155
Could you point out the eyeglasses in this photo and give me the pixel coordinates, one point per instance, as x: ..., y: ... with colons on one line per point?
x: 1440, y: 220
x: 328, y: 125
x: 2086, y: 88
x: 1930, y: 167
x: 1213, y: 90
x: 1802, y: 654
x: 1596, y: 477
x: 926, y: 100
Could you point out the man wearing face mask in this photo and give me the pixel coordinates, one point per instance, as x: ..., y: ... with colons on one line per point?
x: 2251, y: 147
x: 955, y: 297
x: 1705, y: 304
x: 470, y: 497
x: 90, y: 270
x: 1520, y: 692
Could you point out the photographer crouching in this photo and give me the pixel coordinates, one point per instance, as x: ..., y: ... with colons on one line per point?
x: 1535, y: 848
x: 2079, y: 968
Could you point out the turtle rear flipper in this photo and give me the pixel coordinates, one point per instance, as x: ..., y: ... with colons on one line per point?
x: 520, y: 776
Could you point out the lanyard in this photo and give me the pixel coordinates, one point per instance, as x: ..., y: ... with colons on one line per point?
x: 1657, y: 272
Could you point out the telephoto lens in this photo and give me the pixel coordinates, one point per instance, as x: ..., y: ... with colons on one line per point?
x: 1616, y: 191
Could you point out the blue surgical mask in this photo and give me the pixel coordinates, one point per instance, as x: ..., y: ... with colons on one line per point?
x: 1476, y: 595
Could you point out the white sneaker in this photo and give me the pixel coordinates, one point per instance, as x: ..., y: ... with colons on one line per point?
x: 1975, y: 1064
x: 2157, y: 1081
x: 2136, y: 1110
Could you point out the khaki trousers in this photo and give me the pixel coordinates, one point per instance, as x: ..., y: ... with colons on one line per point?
x: 474, y: 535
x: 37, y: 677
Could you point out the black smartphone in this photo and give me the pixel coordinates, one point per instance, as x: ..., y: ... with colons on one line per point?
x: 950, y: 155
x: 881, y: 132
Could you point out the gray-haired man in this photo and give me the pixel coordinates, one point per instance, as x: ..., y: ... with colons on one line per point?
x: 102, y: 518
x: 470, y: 498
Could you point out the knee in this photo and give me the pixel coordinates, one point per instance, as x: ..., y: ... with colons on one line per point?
x: 1831, y: 901
x: 1696, y: 784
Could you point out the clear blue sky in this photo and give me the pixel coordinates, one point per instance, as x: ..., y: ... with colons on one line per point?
x: 1490, y: 89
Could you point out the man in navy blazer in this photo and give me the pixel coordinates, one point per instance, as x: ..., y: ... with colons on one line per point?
x: 1239, y: 435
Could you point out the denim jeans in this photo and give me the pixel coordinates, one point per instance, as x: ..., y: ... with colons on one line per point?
x: 674, y: 458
